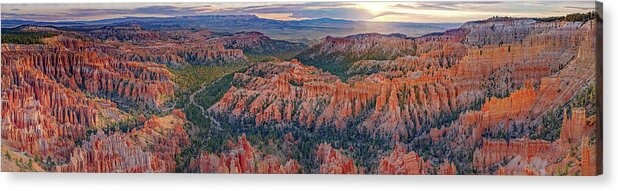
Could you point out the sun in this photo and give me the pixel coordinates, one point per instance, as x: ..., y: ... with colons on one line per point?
x: 374, y: 8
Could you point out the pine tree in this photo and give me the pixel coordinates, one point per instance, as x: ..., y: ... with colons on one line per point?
x: 29, y: 164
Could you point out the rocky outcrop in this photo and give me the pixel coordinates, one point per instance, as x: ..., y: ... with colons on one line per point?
x: 67, y: 62
x: 493, y: 152
x: 54, y: 93
x: 503, y: 115
x: 399, y: 161
x: 287, y: 93
x: 180, y: 55
x: 573, y: 127
x: 540, y: 157
x: 447, y: 168
x: 336, y: 55
x: 510, y: 30
x: 359, y: 45
x: 152, y: 148
x: 258, y: 44
x: 402, y: 162
x: 588, y: 158
x: 130, y: 33
x: 494, y: 111
x: 333, y: 161
x: 558, y: 160
x: 243, y: 158
x: 500, y: 30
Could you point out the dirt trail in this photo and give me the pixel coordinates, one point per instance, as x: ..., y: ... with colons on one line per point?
x: 214, y: 121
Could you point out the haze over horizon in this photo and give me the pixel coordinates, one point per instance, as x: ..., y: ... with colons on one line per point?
x: 419, y: 12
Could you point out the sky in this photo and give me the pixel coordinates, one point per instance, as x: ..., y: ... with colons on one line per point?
x: 423, y: 12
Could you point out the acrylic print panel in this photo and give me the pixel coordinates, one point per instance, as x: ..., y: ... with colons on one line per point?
x: 406, y: 88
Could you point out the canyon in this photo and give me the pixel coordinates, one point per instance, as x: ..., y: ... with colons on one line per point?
x: 502, y: 96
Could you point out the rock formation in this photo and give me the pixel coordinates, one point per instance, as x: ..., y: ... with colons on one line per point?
x: 573, y: 127
x: 243, y: 158
x: 402, y: 162
x: 258, y: 44
x: 336, y: 55
x: 54, y: 93
x: 131, y: 33
x: 149, y: 149
x: 333, y: 161
x: 69, y: 62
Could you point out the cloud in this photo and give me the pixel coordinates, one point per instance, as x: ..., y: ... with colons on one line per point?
x: 97, y: 13
x: 580, y: 8
x: 447, y: 5
x: 430, y: 6
x: 172, y: 10
x: 148, y: 10
x: 336, y: 13
x: 337, y: 10
x: 32, y: 16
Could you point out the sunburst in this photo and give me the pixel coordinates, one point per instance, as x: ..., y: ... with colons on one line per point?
x: 374, y: 8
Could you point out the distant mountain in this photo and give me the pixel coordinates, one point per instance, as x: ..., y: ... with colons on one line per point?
x: 12, y: 23
x: 306, y: 31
